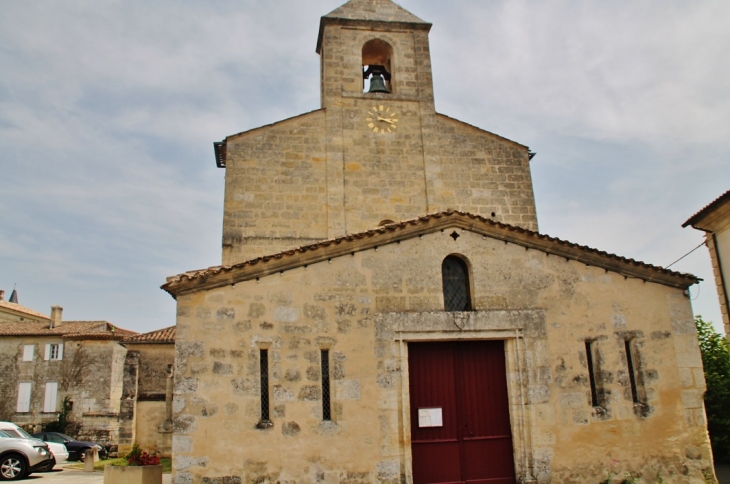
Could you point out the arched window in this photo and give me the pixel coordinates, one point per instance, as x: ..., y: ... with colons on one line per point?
x: 455, y: 277
x: 377, y: 60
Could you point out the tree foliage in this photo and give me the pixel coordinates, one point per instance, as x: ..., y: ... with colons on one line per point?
x: 716, y: 361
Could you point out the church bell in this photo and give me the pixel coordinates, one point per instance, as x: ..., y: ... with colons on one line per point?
x: 378, y: 75
x: 377, y: 84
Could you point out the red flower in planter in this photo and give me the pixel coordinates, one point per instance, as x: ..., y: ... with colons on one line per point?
x: 139, y: 457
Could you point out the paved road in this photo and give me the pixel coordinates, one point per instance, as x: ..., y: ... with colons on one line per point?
x: 74, y: 476
x: 64, y: 475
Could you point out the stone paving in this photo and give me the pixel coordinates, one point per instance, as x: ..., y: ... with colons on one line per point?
x: 65, y: 475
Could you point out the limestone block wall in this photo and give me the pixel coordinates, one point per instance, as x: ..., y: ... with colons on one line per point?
x: 150, y: 415
x: 142, y: 412
x: 341, y: 60
x: 9, y: 381
x: 275, y: 188
x: 37, y: 372
x: 99, y: 390
x: 329, y: 172
x: 483, y: 174
x: 97, y: 394
x: 383, y: 173
x: 88, y: 377
x: 128, y: 403
x: 153, y: 364
x: 719, y: 246
x: 366, y: 307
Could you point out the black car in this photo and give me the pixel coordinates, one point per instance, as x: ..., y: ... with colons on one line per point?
x: 76, y: 448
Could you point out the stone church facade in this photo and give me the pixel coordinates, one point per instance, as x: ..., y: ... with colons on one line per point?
x: 387, y: 312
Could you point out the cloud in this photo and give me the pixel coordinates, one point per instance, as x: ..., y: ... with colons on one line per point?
x: 627, y: 71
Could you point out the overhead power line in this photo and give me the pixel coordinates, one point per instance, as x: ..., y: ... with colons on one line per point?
x: 685, y: 255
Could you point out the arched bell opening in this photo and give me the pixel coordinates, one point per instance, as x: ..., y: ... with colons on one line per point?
x: 377, y: 66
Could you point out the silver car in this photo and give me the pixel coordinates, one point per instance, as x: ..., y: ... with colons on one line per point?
x: 20, y: 457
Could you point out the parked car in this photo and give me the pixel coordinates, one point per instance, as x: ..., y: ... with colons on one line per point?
x: 58, y: 451
x: 76, y: 448
x: 20, y: 457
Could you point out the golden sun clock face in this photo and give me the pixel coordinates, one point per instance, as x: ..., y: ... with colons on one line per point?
x: 382, y: 119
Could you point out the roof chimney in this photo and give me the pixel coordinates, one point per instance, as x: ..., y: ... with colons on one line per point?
x: 2, y: 294
x: 56, y: 316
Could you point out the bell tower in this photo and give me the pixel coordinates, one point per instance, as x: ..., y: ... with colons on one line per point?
x: 377, y: 91
x: 363, y: 36
x: 375, y: 152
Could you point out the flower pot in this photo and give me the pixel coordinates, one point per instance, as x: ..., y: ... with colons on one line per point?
x: 133, y: 474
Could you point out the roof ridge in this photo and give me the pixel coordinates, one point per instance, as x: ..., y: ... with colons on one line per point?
x: 66, y: 329
x: 536, y: 237
x: 23, y: 309
x: 155, y: 336
x: 374, y: 10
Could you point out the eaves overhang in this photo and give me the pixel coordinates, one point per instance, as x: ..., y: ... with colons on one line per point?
x: 219, y: 276
x: 220, y: 153
x: 696, y: 220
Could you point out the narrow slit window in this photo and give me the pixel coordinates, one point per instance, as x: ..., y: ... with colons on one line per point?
x: 636, y: 391
x: 592, y: 373
x: 264, y: 366
x: 326, y: 405
x: 455, y: 279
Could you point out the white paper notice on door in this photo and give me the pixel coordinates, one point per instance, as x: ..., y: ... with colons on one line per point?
x: 430, y: 417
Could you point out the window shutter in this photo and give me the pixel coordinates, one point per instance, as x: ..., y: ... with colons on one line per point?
x: 28, y: 352
x: 49, y: 404
x: 48, y: 352
x: 60, y: 351
x: 23, y: 397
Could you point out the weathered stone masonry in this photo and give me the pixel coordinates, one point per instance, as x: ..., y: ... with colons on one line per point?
x: 367, y: 307
x: 335, y: 228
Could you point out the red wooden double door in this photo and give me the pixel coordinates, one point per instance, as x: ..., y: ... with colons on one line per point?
x: 464, y: 385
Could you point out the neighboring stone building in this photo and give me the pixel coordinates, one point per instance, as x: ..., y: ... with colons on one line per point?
x: 146, y: 409
x: 714, y: 220
x: 388, y: 313
x: 44, y: 359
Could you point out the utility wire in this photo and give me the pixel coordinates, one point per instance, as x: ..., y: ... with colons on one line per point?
x: 685, y: 255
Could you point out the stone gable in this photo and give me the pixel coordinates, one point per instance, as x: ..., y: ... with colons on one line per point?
x: 366, y: 307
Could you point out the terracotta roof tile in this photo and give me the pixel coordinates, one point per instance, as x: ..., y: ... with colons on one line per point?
x: 696, y: 218
x: 164, y: 335
x: 21, y: 309
x: 217, y: 276
x: 67, y: 330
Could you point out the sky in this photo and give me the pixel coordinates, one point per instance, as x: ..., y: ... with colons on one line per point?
x: 109, y: 110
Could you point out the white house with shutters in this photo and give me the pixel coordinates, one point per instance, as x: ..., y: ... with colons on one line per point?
x: 43, y: 360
